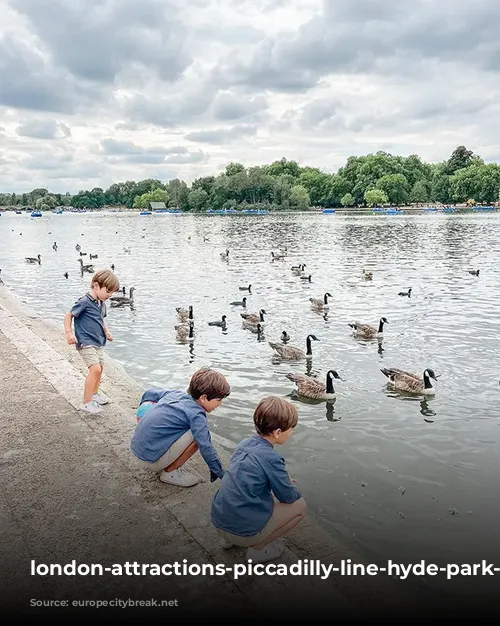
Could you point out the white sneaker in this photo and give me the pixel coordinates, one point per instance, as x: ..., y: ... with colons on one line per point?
x: 269, y: 553
x: 90, y: 407
x: 100, y: 398
x: 225, y: 543
x: 179, y: 477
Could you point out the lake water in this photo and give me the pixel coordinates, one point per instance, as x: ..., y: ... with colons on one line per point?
x: 397, y: 477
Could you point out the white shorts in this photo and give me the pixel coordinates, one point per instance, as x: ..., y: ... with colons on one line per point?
x: 173, y: 453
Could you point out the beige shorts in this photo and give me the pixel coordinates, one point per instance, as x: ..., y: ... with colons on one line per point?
x: 92, y: 355
x: 172, y: 454
x: 280, y: 516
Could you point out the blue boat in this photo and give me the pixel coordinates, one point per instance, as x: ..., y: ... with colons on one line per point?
x: 449, y: 209
x: 483, y: 208
x: 146, y: 213
x: 378, y: 210
x: 19, y: 212
x: 328, y: 211
x: 36, y: 214
x: 394, y: 211
x: 430, y: 209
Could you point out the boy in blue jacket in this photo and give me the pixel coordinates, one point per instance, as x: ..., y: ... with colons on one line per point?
x: 244, y: 510
x: 175, y: 426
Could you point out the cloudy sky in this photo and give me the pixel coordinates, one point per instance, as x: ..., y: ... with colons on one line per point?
x: 97, y: 91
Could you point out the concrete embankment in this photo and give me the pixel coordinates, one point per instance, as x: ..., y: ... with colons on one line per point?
x: 71, y: 489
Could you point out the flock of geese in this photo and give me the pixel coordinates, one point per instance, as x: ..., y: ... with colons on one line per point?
x: 307, y: 386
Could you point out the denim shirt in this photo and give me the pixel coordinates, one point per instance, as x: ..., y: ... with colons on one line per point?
x: 244, y: 502
x: 174, y: 413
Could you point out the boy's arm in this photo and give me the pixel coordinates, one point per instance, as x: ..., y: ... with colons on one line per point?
x: 280, y: 481
x: 104, y: 312
x: 70, y: 336
x: 201, y: 435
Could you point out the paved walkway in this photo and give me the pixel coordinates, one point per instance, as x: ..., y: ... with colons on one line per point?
x: 71, y: 489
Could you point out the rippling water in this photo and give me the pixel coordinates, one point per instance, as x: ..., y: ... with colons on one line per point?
x: 401, y: 478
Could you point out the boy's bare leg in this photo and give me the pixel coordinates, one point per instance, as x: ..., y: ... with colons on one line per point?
x: 185, y: 456
x: 292, y: 515
x: 93, y: 379
x: 96, y: 388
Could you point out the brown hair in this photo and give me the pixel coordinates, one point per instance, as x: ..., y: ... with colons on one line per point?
x: 210, y: 383
x: 273, y: 413
x: 106, y: 278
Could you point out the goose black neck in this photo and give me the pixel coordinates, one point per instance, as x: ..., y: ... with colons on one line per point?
x: 261, y: 316
x: 329, y: 384
x: 381, y: 326
x: 308, y: 344
x: 427, y: 381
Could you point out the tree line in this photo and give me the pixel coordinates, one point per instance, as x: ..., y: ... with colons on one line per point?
x: 371, y: 180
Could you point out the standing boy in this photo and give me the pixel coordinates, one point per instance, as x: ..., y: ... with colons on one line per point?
x: 91, y: 334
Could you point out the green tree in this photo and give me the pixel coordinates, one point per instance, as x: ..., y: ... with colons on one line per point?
x: 299, y: 198
x: 198, y: 200
x: 395, y: 187
x: 234, y: 168
x: 460, y: 158
x: 347, y: 200
x: 420, y: 191
x: 278, y: 168
x: 374, y: 197
x: 156, y: 195
x: 178, y: 193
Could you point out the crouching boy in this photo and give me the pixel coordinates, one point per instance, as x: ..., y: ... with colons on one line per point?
x: 243, y: 509
x: 175, y: 426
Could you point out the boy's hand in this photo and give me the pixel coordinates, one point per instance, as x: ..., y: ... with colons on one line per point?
x: 71, y: 339
x: 109, y: 336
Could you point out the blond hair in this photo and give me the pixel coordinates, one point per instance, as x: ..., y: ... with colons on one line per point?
x: 273, y: 413
x: 106, y: 278
x: 210, y: 383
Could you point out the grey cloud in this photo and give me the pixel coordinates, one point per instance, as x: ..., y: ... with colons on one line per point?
x: 97, y: 39
x: 48, y: 161
x: 221, y: 135
x: 129, y: 152
x: 230, y: 107
x: 193, y: 157
x: 43, y: 129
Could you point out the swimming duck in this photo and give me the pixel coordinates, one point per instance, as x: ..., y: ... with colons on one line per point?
x: 411, y: 383
x: 225, y: 255
x: 113, y: 267
x: 239, y: 303
x: 405, y: 293
x: 83, y: 254
x: 298, y: 269
x: 285, y: 337
x: 221, y: 323
x: 367, y: 275
x: 474, y: 272
x: 257, y: 329
x: 249, y: 288
x: 317, y: 303
x: 277, y: 257
x: 315, y: 389
x: 254, y: 318
x: 93, y: 256
x: 30, y: 259
x: 54, y: 246
x: 291, y: 352
x: 126, y: 250
x: 366, y: 331
x: 85, y: 268
x: 66, y: 275
x: 78, y: 247
x: 184, y: 331
x: 184, y: 314
x: 308, y: 278
x: 122, y: 300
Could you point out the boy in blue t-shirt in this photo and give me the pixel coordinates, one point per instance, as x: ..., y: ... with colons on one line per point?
x: 244, y: 510
x: 173, y: 425
x: 91, y: 334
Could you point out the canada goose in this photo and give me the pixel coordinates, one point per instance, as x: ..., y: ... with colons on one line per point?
x: 277, y: 257
x: 85, y: 268
x: 254, y: 318
x: 206, y: 238
x: 184, y: 332
x: 411, y: 383
x: 317, y: 303
x: 184, y: 314
x: 66, y: 275
x: 367, y: 275
x: 126, y: 250
x: 366, y: 331
x: 122, y: 300
x: 285, y: 337
x: 93, y: 256
x: 113, y: 267
x: 298, y: 269
x: 221, y: 323
x: 78, y: 247
x: 225, y: 255
x: 239, y: 303
x: 83, y: 254
x: 38, y: 259
x: 249, y: 288
x: 308, y: 278
x: 54, y: 246
x: 315, y: 389
x: 257, y: 329
x: 291, y: 352
x: 405, y: 293
x: 474, y: 272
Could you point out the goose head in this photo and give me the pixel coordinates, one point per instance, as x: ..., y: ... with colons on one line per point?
x: 429, y: 373
x: 285, y: 336
x: 327, y: 295
x: 383, y: 320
